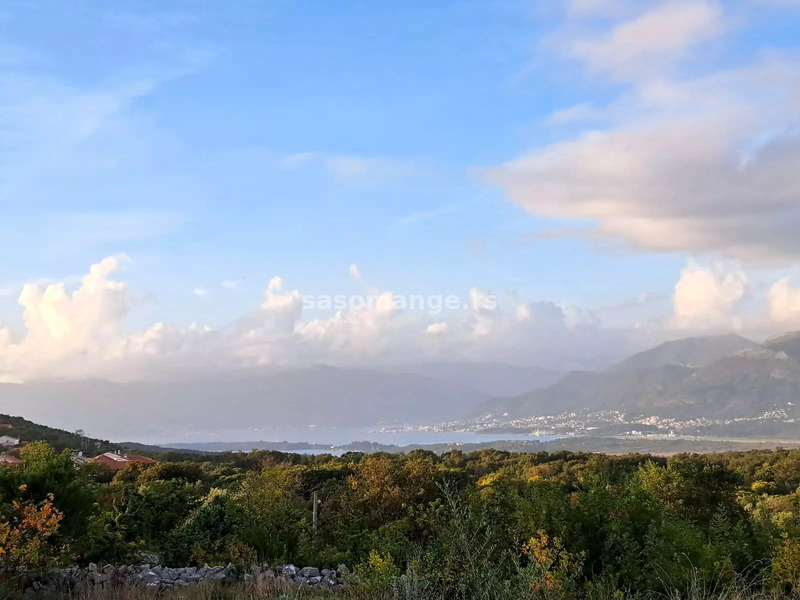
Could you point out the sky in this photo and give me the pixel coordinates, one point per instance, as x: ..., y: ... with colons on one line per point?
x: 177, y: 179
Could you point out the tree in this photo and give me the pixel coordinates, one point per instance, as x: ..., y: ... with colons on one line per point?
x: 27, y: 532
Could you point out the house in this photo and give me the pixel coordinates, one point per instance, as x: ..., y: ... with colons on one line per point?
x: 79, y: 458
x: 117, y: 461
x: 5, y: 425
x: 8, y: 441
x: 8, y: 459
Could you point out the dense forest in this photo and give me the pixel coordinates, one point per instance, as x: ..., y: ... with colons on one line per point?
x: 487, y: 524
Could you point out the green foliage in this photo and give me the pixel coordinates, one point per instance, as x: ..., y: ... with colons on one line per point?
x: 487, y: 524
x: 48, y: 473
x: 30, y: 432
x: 377, y: 572
x: 272, y: 513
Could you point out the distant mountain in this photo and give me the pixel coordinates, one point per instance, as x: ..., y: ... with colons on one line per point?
x: 748, y: 382
x: 318, y: 396
x: 744, y: 385
x: 688, y: 352
x: 491, y: 378
x: 785, y: 342
x: 592, y: 390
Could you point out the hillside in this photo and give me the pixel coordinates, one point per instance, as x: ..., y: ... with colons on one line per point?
x: 28, y: 431
x: 785, y: 342
x: 688, y: 352
x: 747, y: 383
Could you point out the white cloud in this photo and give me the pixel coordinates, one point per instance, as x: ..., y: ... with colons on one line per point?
x: 82, y: 334
x: 572, y: 114
x: 230, y: 285
x: 62, y: 327
x: 704, y: 165
x: 436, y: 328
x: 709, y: 298
x: 426, y: 215
x: 600, y: 8
x: 355, y: 273
x: 784, y: 303
x: 200, y: 292
x: 354, y: 169
x: 651, y: 42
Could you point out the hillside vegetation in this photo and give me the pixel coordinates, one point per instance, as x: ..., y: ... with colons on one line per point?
x: 487, y: 524
x: 28, y: 431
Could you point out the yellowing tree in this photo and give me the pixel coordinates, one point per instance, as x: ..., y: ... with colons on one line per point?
x: 26, y: 533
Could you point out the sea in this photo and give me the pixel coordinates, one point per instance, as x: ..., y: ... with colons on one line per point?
x: 340, y: 436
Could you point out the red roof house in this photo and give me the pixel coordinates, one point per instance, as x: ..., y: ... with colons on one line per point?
x: 117, y: 462
x: 8, y: 459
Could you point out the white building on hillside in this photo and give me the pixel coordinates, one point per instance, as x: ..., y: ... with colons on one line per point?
x: 7, y: 440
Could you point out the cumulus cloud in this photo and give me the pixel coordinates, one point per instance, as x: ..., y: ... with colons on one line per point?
x: 703, y: 163
x: 709, y: 298
x: 784, y: 303
x: 82, y: 334
x: 61, y: 326
x: 200, y: 292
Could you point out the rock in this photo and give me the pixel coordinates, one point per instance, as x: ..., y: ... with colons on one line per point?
x: 266, y: 575
x: 60, y: 583
x: 289, y: 570
x: 309, y: 572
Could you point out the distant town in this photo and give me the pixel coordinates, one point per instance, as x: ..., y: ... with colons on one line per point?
x: 772, y: 424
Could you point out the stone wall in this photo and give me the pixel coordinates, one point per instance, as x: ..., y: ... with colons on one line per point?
x: 61, y: 582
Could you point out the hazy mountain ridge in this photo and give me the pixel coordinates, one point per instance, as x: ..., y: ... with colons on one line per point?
x: 751, y: 380
x: 491, y: 378
x: 785, y: 342
x: 315, y: 396
x: 688, y: 352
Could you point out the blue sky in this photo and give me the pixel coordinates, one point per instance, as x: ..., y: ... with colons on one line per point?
x: 438, y: 146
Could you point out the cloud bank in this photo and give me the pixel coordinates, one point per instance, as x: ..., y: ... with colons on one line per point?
x: 83, y: 333
x: 689, y: 158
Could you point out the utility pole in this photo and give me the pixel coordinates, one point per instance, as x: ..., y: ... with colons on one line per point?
x: 314, y: 510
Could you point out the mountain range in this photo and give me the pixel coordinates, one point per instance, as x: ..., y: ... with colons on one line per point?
x: 695, y: 377
x: 269, y: 398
